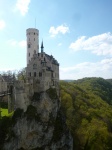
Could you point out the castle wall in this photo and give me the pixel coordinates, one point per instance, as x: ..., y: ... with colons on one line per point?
x: 22, y: 95
x: 3, y: 85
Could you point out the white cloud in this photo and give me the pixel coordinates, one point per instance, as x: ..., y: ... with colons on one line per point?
x: 87, y: 69
x: 2, y: 24
x: 100, y: 44
x: 59, y: 44
x: 22, y: 6
x: 13, y: 42
x: 60, y: 29
x: 22, y: 43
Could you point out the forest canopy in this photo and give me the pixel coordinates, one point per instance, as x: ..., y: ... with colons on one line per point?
x: 87, y: 104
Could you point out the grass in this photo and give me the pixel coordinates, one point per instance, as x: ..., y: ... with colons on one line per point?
x: 4, y: 112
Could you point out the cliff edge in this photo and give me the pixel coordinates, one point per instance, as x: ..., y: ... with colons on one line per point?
x: 41, y: 127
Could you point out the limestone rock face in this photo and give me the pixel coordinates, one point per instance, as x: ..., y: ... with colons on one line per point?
x: 41, y: 127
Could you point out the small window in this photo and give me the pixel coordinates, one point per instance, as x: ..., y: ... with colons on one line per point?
x: 34, y: 39
x: 29, y: 46
x: 29, y: 33
x: 34, y: 33
x: 29, y: 54
x: 30, y: 74
x: 29, y: 39
x: 34, y: 74
x: 40, y: 74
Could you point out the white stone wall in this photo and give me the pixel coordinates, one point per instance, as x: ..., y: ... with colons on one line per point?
x: 3, y: 85
x: 32, y: 43
x: 21, y: 95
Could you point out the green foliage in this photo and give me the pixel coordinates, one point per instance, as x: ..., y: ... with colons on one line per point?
x: 17, y: 114
x: 52, y: 93
x: 36, y: 96
x: 97, y: 86
x: 4, y: 112
x: 87, y: 106
x: 21, y: 75
x: 58, y: 128
x: 4, y: 104
x: 5, y: 129
x: 31, y: 112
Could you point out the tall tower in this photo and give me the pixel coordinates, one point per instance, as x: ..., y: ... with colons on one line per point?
x: 32, y: 35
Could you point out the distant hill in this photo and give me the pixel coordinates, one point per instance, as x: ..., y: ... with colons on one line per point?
x: 98, y: 86
x: 68, y: 80
x: 109, y: 80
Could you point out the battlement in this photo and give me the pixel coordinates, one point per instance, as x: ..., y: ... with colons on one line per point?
x: 32, y: 31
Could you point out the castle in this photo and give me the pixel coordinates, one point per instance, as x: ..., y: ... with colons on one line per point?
x: 40, y: 66
x: 42, y: 72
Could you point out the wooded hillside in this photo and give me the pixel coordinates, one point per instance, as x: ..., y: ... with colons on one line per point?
x: 87, y: 105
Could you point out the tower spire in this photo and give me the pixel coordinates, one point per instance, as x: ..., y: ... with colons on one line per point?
x: 42, y: 47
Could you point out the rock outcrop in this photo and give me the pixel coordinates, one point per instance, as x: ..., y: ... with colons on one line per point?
x: 41, y: 127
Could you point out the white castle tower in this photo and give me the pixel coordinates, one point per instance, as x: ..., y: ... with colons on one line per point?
x: 32, y: 43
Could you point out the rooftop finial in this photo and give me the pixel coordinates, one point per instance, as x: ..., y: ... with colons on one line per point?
x: 42, y: 47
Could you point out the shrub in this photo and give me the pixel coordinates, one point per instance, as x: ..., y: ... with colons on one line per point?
x: 31, y: 112
x: 52, y: 93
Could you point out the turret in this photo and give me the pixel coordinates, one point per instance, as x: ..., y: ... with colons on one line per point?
x: 32, y: 43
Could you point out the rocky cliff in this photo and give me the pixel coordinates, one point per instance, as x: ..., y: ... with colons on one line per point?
x: 41, y: 127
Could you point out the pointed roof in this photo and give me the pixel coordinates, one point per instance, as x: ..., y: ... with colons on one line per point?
x: 42, y: 47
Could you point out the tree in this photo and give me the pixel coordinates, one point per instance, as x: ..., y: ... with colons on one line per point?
x: 21, y: 75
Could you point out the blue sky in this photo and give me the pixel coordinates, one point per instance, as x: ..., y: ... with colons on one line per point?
x: 78, y: 33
